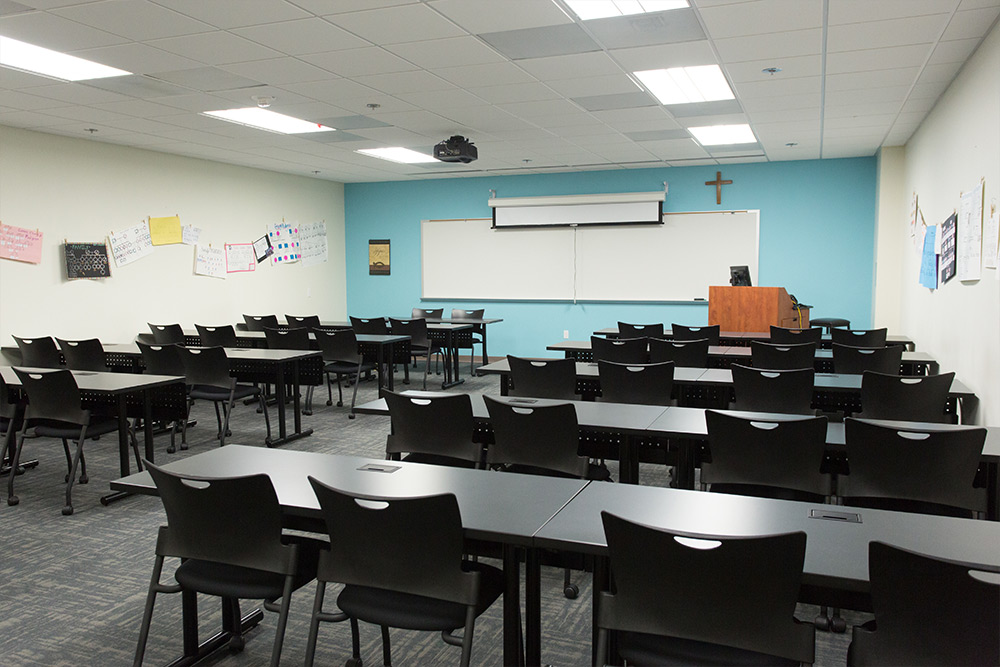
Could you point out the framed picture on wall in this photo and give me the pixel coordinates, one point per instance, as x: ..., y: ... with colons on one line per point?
x: 378, y: 257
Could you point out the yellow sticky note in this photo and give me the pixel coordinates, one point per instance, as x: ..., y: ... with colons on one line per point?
x: 164, y: 231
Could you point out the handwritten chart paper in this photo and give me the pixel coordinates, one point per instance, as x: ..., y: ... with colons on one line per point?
x: 130, y: 244
x: 22, y: 245
x: 239, y: 258
x: 312, y: 237
x: 285, y: 241
x: 991, y: 239
x: 928, y: 262
x: 970, y: 235
x: 165, y: 231
x: 949, y: 248
x: 190, y: 234
x: 209, y: 261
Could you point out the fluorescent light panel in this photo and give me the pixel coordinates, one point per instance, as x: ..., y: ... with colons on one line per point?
x: 602, y: 9
x: 46, y: 62
x: 397, y: 154
x: 718, y: 135
x: 685, y: 85
x: 262, y: 119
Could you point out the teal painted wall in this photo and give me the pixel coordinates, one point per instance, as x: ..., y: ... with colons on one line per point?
x: 817, y: 239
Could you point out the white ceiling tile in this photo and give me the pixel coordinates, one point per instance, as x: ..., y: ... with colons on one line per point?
x: 480, y: 16
x: 858, y: 11
x: 225, y: 15
x: 472, y: 76
x: 762, y: 17
x: 849, y: 97
x: 30, y: 119
x: 55, y: 32
x: 515, y: 92
x: 943, y: 73
x: 784, y: 115
x: 845, y: 149
x: 791, y: 68
x: 777, y: 86
x: 404, y: 82
x: 278, y: 71
x: 595, y: 85
x: 488, y: 117
x: 137, y: 58
x: 386, y: 104
x: 782, y: 102
x: 442, y: 100
x: 954, y: 51
x: 910, y: 55
x: 76, y: 93
x: 570, y: 66
x: 360, y: 62
x: 878, y: 34
x: 663, y: 56
x: 921, y: 106
x: 27, y: 102
x: 435, y: 53
x: 972, y: 23
x: 930, y: 89
x: 862, y: 107
x: 874, y: 120
x: 138, y: 20
x: 777, y: 45
x: 295, y: 38
x: 394, y: 25
x: 617, y: 118
x: 872, y: 79
x: 422, y: 122
x: 215, y: 48
x: 675, y: 149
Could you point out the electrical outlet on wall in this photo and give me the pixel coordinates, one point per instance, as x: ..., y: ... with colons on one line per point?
x: 565, y: 334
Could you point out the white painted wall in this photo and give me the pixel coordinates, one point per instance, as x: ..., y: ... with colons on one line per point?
x: 956, y: 145
x: 80, y: 190
x: 889, y: 238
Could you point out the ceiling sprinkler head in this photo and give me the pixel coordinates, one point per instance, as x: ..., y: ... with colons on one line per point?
x: 263, y: 101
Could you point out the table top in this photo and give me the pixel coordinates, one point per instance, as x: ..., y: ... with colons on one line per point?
x: 589, y: 370
x: 896, y: 339
x: 244, y: 353
x: 823, y: 381
x: 97, y: 381
x: 496, y: 506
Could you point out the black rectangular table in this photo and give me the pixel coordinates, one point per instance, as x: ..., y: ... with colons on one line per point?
x: 744, y: 337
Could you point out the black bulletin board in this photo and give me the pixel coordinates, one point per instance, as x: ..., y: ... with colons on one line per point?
x: 87, y: 260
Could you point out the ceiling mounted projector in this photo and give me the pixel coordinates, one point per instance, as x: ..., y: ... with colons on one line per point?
x: 456, y: 149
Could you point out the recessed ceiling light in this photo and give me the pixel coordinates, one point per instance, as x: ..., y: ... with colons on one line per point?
x: 602, y: 9
x: 684, y: 85
x: 398, y: 154
x: 46, y: 62
x: 262, y: 119
x: 716, y: 135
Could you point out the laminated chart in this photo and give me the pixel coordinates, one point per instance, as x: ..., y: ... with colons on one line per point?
x: 87, y: 260
x: 239, y: 258
x: 22, y: 245
x: 209, y: 261
x: 130, y: 244
x: 313, y: 246
x: 285, y: 241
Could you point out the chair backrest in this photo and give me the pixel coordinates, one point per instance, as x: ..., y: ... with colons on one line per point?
x: 774, y: 459
x: 161, y: 359
x: 83, y: 355
x: 682, y: 332
x: 859, y: 337
x: 288, y: 339
x: 206, y: 366
x: 427, y: 312
x: 783, y: 356
x: 260, y: 322
x: 369, y: 325
x: 231, y: 520
x: 220, y: 336
x: 928, y: 611
x: 38, y: 352
x: 167, y: 334
x: 539, y: 439
x: 857, y: 360
x: 338, y: 345
x: 307, y: 321
x: 686, y: 353
x: 930, y: 472
x: 765, y: 390
x: 644, y: 384
x: 52, y: 396
x: 620, y: 350
x: 626, y: 330
x: 905, y: 398
x: 460, y: 314
x: 441, y: 425
x: 408, y: 545
x: 416, y: 329
x: 784, y: 336
x: 543, y: 378
x: 688, y: 593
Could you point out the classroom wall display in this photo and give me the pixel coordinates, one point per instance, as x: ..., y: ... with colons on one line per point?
x: 19, y: 244
x: 209, y: 261
x: 285, y: 240
x: 929, y: 259
x: 131, y: 243
x: 165, y: 231
x: 190, y: 234
x: 947, y: 262
x: 991, y: 238
x: 239, y: 258
x: 970, y: 234
x: 312, y: 237
x: 86, y: 260
x: 378, y: 257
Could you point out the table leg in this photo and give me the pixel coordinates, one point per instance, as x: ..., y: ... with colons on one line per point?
x: 279, y: 391
x: 123, y: 447
x: 485, y: 357
x: 283, y: 435
x: 147, y: 426
x: 602, y: 582
x: 532, y: 609
x: 389, y: 379
x: 512, y: 647
x: 628, y: 460
x: 195, y: 652
x: 451, y: 377
x: 504, y: 384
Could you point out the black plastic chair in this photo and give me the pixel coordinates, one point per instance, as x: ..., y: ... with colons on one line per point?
x: 619, y: 350
x: 420, y: 344
x: 309, y: 322
x: 857, y: 360
x: 765, y: 390
x: 708, y: 599
x: 84, y: 355
x: 402, y: 567
x: 786, y: 336
x: 288, y: 339
x: 859, y: 337
x: 8, y: 413
x: 476, y: 338
x: 341, y: 359
x: 206, y: 371
x: 370, y: 325
x: 260, y: 322
x: 920, y: 398
x: 228, y: 534
x: 910, y: 470
x: 928, y: 611
x: 626, y: 330
x: 829, y: 323
x: 686, y: 353
x: 167, y: 334
x: 682, y: 332
x: 782, y: 356
x: 220, y: 336
x: 543, y: 378
x: 166, y: 360
x: 38, y: 352
x: 54, y: 411
x: 643, y: 384
x: 769, y: 459
x: 433, y: 428
x: 427, y: 312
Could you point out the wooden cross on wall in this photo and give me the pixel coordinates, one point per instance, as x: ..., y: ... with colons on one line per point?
x: 718, y: 183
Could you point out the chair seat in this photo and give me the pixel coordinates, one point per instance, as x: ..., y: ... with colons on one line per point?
x: 416, y: 612
x: 344, y: 367
x: 97, y: 427
x: 211, y: 393
x: 643, y: 649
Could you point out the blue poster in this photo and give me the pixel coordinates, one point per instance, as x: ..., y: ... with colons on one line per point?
x: 928, y: 260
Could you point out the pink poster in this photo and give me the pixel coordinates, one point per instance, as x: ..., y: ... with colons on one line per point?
x: 23, y: 245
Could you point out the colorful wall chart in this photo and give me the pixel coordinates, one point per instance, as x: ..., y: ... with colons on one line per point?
x: 209, y: 261
x: 22, y: 245
x: 285, y: 241
x: 239, y: 258
x: 929, y: 259
x: 130, y: 244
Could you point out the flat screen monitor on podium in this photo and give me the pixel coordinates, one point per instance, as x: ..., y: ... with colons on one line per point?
x: 739, y: 276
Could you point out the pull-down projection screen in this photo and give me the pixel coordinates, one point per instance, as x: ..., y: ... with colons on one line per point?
x: 675, y: 261
x: 571, y: 210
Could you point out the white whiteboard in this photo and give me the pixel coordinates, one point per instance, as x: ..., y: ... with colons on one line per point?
x: 675, y: 261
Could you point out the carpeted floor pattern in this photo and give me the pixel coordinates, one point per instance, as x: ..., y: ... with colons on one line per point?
x: 72, y: 588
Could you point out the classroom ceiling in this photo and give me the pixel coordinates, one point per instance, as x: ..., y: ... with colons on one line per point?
x: 536, y: 89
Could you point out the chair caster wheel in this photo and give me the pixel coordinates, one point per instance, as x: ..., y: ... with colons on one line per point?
x: 237, y: 643
x: 307, y: 413
x: 171, y: 449
x: 353, y: 662
x: 13, y: 500
x: 67, y: 510
x: 822, y: 622
x: 65, y: 478
x: 571, y: 591
x: 184, y: 446
x: 84, y: 479
x: 350, y: 416
x: 340, y: 404
x: 838, y: 624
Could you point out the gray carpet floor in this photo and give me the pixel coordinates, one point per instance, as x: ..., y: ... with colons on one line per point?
x: 72, y: 588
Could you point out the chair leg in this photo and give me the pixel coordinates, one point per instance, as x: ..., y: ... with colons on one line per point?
x: 601, y: 655
x: 354, y: 396
x: 267, y: 417
x: 279, y: 631
x: 147, y: 614
x: 570, y: 590
x: 386, y: 649
x: 68, y: 508
x: 355, y: 642
x: 340, y: 389
x: 218, y: 420
x: 308, y: 408
x: 18, y: 446
x: 314, y: 623
x: 135, y: 449
x: 69, y: 459
x: 427, y: 366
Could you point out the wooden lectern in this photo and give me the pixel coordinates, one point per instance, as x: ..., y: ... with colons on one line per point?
x: 753, y: 309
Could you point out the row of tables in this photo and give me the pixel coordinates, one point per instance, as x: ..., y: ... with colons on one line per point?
x: 744, y: 338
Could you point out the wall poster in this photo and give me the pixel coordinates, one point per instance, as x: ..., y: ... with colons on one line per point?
x: 948, y: 248
x: 378, y: 257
